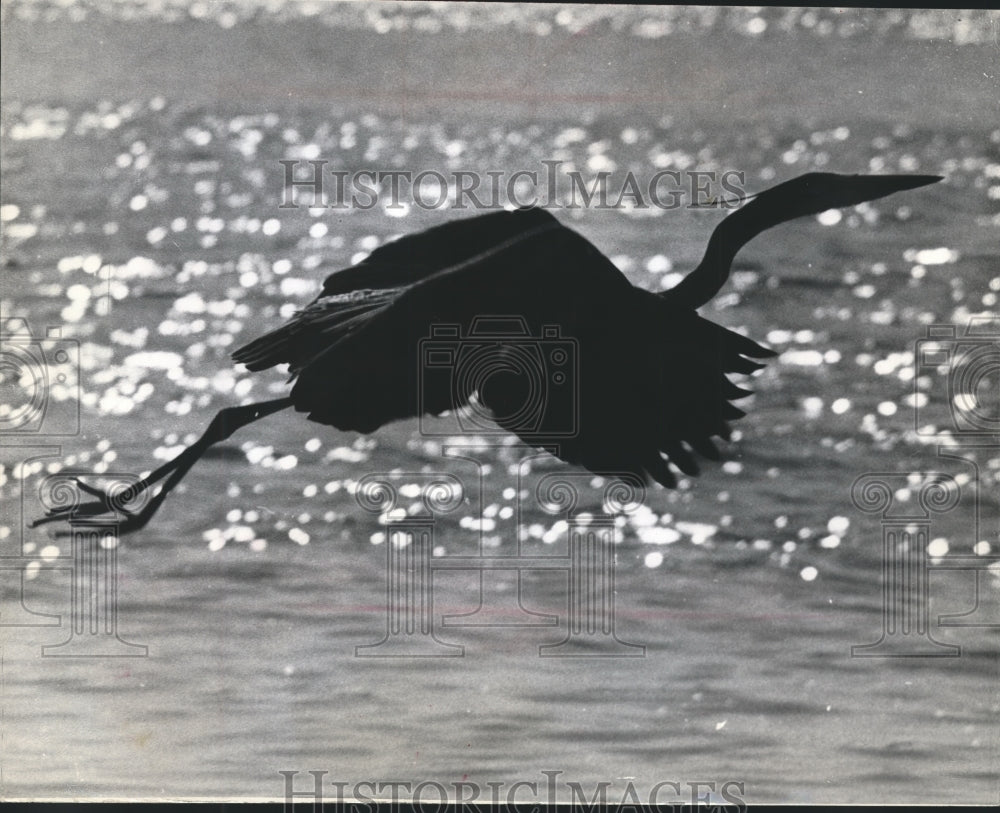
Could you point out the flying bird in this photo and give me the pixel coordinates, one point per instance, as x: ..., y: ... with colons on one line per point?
x: 516, y: 313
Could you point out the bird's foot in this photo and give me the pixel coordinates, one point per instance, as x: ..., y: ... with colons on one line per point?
x: 104, y: 504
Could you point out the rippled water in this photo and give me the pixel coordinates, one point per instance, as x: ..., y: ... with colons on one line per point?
x: 141, y: 216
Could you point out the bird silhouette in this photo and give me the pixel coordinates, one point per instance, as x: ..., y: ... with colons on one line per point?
x: 517, y: 315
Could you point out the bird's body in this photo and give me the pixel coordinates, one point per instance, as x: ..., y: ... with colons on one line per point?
x: 641, y: 374
x: 640, y: 385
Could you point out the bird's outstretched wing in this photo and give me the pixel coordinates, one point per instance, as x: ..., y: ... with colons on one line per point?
x: 353, y: 295
x: 541, y: 283
x: 808, y: 194
x: 414, y: 257
x: 622, y: 381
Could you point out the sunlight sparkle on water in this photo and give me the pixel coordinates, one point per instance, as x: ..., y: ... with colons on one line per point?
x: 931, y: 256
x: 295, y: 287
x: 670, y: 279
x: 659, y: 264
x: 555, y: 533
x: 154, y: 360
x: 653, y: 559
x: 657, y: 535
x: 346, y: 454
x: 812, y: 406
x: 802, y: 358
x: 937, y: 547
x: 622, y: 262
x: 288, y: 461
x: 699, y: 532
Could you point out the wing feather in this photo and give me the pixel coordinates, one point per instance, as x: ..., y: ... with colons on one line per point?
x: 414, y: 257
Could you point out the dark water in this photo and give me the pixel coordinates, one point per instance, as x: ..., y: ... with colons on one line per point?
x: 141, y: 196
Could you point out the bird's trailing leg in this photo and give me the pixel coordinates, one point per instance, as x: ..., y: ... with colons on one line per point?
x: 224, y: 424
